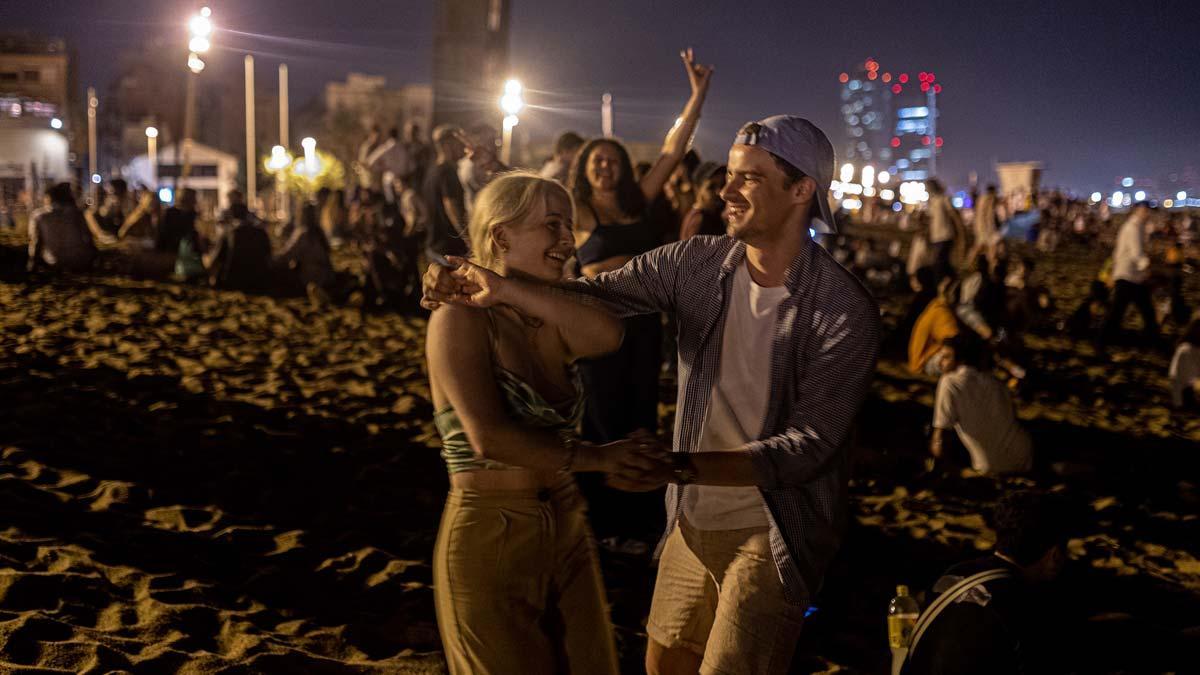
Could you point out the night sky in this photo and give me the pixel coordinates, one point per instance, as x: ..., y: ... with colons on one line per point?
x: 1096, y: 89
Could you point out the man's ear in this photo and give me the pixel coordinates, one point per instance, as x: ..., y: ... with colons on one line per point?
x: 804, y: 190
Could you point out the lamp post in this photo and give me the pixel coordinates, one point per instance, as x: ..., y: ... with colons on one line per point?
x: 200, y: 27
x: 277, y: 165
x: 251, y: 163
x: 92, y: 102
x: 511, y: 103
x: 152, y: 154
x: 310, y: 155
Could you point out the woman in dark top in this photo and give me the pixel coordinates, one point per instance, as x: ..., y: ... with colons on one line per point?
x: 612, y: 225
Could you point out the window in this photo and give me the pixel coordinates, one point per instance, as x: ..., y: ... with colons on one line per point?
x: 33, y: 76
x: 9, y: 77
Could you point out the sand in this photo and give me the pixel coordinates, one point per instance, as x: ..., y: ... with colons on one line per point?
x: 203, y: 482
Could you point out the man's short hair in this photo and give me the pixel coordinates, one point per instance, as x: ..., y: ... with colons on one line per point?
x: 445, y: 132
x: 968, y: 349
x: 1029, y: 523
x: 791, y: 176
x: 61, y: 193
x: 568, y: 141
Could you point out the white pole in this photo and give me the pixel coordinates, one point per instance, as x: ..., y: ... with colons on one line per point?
x: 931, y: 101
x: 606, y: 115
x: 251, y: 168
x: 91, y: 117
x: 283, y: 104
x: 152, y: 152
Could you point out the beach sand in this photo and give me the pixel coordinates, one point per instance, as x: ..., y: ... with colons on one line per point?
x: 198, y: 481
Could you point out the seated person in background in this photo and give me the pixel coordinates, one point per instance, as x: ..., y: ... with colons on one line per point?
x: 1088, y: 317
x: 934, y: 326
x: 979, y: 408
x: 305, y: 256
x: 109, y: 218
x: 1003, y: 622
x: 1029, y: 303
x: 705, y: 216
x: 982, y: 303
x: 1185, y: 369
x: 242, y: 259
x: 178, y: 224
x: 58, y: 233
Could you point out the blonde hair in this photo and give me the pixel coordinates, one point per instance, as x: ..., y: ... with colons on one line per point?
x: 507, y: 200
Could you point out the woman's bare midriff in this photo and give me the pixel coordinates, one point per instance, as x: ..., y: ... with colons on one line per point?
x: 511, y: 479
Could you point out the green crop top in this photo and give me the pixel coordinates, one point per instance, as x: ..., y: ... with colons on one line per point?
x: 524, y: 403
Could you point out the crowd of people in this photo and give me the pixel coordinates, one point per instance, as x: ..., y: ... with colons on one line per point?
x: 559, y: 294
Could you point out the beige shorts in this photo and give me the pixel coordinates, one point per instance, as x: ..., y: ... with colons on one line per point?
x: 718, y: 594
x: 517, y: 585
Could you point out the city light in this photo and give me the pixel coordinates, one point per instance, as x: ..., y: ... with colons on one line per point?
x: 851, y: 203
x: 511, y: 102
x: 1096, y: 197
x: 1116, y: 198
x: 311, y: 165
x: 195, y: 63
x: 55, y: 123
x: 1127, y: 182
x: 887, y: 194
x: 1140, y: 195
x: 199, y: 44
x: 151, y: 132
x: 847, y: 172
x: 1168, y: 203
x: 166, y: 195
x: 1180, y: 196
x: 279, y: 160
x: 201, y: 25
x: 96, y: 178
x: 868, y: 176
x: 884, y: 177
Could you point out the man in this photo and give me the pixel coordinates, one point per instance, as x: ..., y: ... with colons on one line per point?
x: 447, y: 232
x: 777, y: 344
x: 985, y: 222
x: 480, y: 165
x: 565, y: 148
x: 979, y: 408
x: 419, y: 151
x: 179, y: 223
x: 1131, y: 274
x: 58, y: 235
x: 705, y: 216
x: 242, y: 260
x: 389, y: 159
x: 1004, y: 621
x: 945, y: 225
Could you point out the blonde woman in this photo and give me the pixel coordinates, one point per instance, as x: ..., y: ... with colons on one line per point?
x: 518, y: 587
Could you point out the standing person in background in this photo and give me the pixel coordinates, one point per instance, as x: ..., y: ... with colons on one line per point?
x: 1185, y: 369
x: 389, y: 157
x: 705, y: 216
x: 443, y: 194
x: 985, y: 222
x: 419, y: 151
x: 58, y: 234
x: 1131, y: 276
x: 481, y: 163
x: 945, y: 232
x: 680, y: 194
x: 566, y: 147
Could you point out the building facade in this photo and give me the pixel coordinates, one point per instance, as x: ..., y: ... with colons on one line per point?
x: 470, y: 60
x: 890, y: 121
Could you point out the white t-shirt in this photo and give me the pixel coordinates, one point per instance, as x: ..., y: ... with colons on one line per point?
x: 1130, y: 262
x: 1185, y: 369
x: 978, y: 407
x: 738, y: 404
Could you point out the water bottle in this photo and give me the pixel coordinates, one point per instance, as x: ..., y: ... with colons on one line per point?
x: 902, y: 617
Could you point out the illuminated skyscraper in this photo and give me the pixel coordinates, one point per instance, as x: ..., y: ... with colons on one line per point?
x: 891, y: 121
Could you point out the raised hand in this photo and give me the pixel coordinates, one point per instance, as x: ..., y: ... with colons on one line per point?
x: 698, y: 75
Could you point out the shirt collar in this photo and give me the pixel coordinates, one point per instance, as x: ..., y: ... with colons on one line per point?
x: 797, y: 271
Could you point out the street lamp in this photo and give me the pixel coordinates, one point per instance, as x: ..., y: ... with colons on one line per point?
x: 310, y: 155
x: 277, y: 165
x: 200, y: 28
x: 152, y: 153
x: 511, y: 103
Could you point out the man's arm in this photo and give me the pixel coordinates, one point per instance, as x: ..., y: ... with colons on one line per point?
x: 35, y: 243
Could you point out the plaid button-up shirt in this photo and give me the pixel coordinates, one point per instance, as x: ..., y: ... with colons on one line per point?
x: 826, y: 341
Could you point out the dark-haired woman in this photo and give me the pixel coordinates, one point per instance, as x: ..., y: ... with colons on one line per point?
x: 612, y: 225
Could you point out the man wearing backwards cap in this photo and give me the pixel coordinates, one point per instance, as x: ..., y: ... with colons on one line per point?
x: 777, y: 345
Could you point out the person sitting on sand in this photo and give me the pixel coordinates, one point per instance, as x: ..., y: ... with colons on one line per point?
x: 58, y: 234
x: 516, y: 576
x: 1185, y: 369
x: 242, y: 258
x: 1088, y: 317
x: 994, y: 614
x: 979, y: 408
x: 935, y: 325
x: 305, y: 256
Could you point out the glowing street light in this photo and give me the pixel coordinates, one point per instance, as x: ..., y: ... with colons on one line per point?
x: 55, y: 123
x: 511, y: 103
x: 152, y: 153
x: 1180, y: 196
x: 310, y: 155
x: 200, y: 28
x: 884, y: 177
x: 847, y: 172
x: 1096, y: 197
x: 279, y: 160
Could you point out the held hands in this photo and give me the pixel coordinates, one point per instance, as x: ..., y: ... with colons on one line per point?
x: 637, y: 464
x: 465, y: 284
x: 698, y: 75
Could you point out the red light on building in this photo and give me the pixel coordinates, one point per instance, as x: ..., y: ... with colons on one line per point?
x: 872, y: 64
x: 895, y: 142
x: 937, y: 88
x: 896, y: 89
x: 872, y: 75
x: 887, y: 77
x: 931, y: 78
x: 923, y: 75
x: 904, y: 78
x: 843, y: 78
x: 925, y: 140
x: 924, y: 86
x: 938, y: 142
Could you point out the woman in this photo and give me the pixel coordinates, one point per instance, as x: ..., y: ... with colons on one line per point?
x: 611, y: 227
x: 518, y: 587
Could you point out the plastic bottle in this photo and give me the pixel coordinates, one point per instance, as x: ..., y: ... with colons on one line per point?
x: 903, y: 611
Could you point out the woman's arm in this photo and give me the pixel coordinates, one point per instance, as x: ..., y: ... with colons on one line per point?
x: 460, y: 363
x: 680, y: 136
x: 607, y: 265
x: 586, y: 328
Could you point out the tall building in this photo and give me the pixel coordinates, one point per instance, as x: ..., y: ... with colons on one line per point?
x: 37, y: 117
x: 890, y: 121
x: 38, y: 69
x: 866, y: 104
x: 470, y: 60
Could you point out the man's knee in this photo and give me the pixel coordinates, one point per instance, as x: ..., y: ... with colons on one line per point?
x: 661, y: 660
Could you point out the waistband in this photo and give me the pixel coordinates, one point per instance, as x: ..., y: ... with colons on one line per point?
x: 560, y: 492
